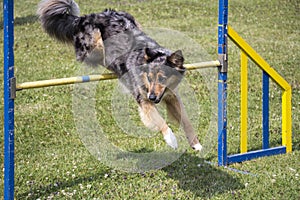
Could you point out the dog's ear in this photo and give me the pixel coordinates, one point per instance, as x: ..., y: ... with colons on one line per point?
x: 149, y: 54
x: 152, y: 54
x: 176, y: 60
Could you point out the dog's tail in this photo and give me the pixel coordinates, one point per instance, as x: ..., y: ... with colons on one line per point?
x: 58, y: 18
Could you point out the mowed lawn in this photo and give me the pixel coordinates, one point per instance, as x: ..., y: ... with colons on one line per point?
x: 52, y: 161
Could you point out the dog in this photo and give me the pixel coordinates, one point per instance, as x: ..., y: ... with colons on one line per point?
x: 115, y: 40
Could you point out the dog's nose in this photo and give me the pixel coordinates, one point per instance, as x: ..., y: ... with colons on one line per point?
x: 152, y: 97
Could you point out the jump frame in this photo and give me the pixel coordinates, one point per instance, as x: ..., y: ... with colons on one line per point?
x: 224, y: 32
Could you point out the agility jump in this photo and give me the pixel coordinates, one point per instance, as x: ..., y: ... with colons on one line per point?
x: 101, y: 77
x: 224, y: 32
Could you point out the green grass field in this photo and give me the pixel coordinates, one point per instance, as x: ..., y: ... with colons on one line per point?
x: 51, y: 161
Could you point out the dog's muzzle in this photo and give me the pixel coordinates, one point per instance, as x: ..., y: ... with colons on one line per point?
x: 152, y: 97
x: 155, y: 99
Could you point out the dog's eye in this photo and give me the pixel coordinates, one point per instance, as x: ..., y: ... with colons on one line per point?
x: 161, y: 78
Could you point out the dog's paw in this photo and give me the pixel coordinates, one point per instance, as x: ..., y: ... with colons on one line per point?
x: 171, y: 139
x: 197, y: 147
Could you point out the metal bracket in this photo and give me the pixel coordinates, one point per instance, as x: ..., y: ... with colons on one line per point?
x: 13, y: 87
x: 223, y: 54
x: 224, y: 62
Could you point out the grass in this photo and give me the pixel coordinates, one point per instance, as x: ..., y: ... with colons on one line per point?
x: 52, y: 161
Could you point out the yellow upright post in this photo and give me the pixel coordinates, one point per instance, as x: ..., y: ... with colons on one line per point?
x: 244, y: 102
x: 287, y: 120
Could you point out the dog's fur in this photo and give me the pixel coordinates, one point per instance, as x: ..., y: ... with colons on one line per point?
x: 115, y: 40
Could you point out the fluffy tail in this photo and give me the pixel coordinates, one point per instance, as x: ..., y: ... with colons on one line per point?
x: 58, y: 18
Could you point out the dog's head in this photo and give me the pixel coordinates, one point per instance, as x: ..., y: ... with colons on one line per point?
x: 163, y: 72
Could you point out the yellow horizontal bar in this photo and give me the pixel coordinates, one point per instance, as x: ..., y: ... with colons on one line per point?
x: 202, y: 65
x: 242, y: 44
x: 88, y: 78
x: 64, y: 81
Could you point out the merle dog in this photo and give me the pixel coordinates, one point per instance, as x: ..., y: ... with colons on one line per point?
x: 115, y: 40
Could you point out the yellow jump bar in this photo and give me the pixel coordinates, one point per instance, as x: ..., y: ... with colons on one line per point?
x: 101, y: 77
x: 65, y: 81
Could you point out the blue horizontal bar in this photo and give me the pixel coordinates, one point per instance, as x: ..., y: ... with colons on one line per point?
x: 255, y: 154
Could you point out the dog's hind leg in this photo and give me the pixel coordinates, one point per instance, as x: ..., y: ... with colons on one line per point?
x: 153, y: 120
x: 176, y: 110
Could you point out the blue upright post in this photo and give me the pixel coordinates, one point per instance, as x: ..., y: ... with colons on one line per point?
x: 222, y: 82
x: 8, y: 27
x: 265, y: 111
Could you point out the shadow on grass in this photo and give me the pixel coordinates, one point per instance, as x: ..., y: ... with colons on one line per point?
x: 195, y: 175
x: 201, y: 178
x: 191, y: 174
x: 19, y: 21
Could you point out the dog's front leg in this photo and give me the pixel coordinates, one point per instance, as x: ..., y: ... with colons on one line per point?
x: 153, y: 120
x: 176, y: 110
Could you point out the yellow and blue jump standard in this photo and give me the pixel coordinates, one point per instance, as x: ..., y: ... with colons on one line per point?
x: 224, y: 31
x: 268, y: 73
